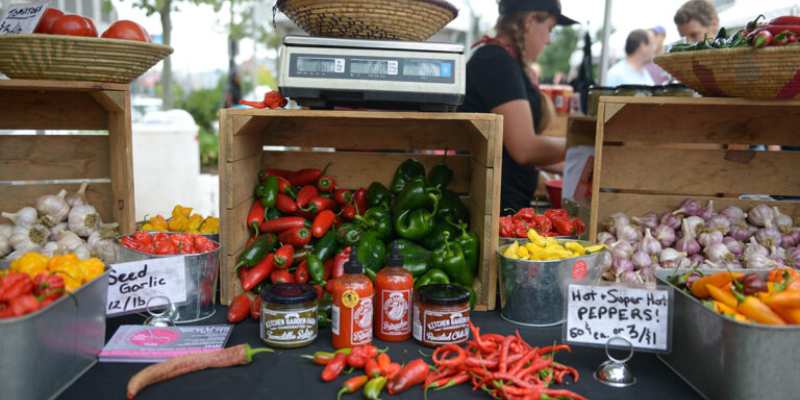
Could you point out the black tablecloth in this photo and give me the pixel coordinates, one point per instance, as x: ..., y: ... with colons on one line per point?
x: 284, y: 375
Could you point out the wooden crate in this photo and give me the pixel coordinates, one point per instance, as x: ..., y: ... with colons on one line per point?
x: 652, y: 153
x: 363, y: 147
x: 33, y: 165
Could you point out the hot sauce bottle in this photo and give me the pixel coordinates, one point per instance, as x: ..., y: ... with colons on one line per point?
x: 351, y: 312
x: 394, y: 295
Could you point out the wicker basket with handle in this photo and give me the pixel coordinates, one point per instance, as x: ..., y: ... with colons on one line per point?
x: 370, y: 19
x: 768, y: 73
x: 76, y: 58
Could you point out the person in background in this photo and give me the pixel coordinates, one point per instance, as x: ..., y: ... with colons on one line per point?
x: 696, y: 20
x: 639, y: 50
x: 499, y: 81
x: 660, y: 77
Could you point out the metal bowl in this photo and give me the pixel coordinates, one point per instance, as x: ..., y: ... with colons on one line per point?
x: 533, y: 293
x: 212, y: 236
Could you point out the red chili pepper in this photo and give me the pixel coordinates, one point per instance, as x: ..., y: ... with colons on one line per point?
x: 785, y: 20
x: 580, y: 227
x: 301, y: 273
x: 282, y: 224
x: 322, y: 223
x: 280, y: 173
x: 525, y: 213
x: 343, y: 196
x: 16, y: 285
x: 384, y: 361
x: 164, y: 247
x: 297, y: 237
x: 281, y: 276
x: 255, y: 104
x: 414, y: 373
x: 285, y: 204
x: 543, y: 224
x: 255, y: 216
x: 506, y: 227
x: 327, y: 267
x: 24, y: 304
x: 308, y: 176
x: 319, y: 204
x: 392, y: 370
x: 356, y: 360
x: 326, y: 184
x: 143, y: 237
x: 372, y: 369
x: 239, y: 308
x: 274, y: 99
x: 334, y: 367
x: 284, y: 256
x: 360, y: 201
x: 255, y: 308
x: 563, y: 226
x: 348, y: 212
x: 352, y: 385
x: 339, y: 261
x: 48, y: 286
x: 521, y: 228
x: 305, y: 195
x: 259, y: 272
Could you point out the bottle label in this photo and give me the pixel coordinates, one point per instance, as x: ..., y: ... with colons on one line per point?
x: 335, y: 317
x: 442, y: 327
x: 362, y: 321
x: 395, y: 313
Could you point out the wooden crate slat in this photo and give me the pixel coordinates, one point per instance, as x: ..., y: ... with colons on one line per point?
x: 670, y: 170
x: 15, y: 197
x: 721, y: 124
x: 236, y: 230
x: 24, y: 157
x: 352, y: 169
x: 243, y: 177
x: 72, y: 86
x: 249, y: 138
x: 51, y: 110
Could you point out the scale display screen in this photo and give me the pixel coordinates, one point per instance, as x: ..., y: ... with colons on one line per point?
x: 373, y: 68
x: 319, y: 65
x: 435, y: 69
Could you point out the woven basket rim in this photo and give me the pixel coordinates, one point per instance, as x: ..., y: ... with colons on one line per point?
x: 726, y: 52
x: 85, y: 39
x: 443, y: 4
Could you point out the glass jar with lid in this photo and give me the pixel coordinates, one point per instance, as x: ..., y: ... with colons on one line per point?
x: 289, y: 315
x: 441, y: 314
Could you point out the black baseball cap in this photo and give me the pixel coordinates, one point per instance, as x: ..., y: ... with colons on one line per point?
x: 508, y: 7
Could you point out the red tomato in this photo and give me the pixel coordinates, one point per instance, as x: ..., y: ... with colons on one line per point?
x: 91, y: 23
x: 126, y: 30
x: 74, y: 25
x: 49, y: 18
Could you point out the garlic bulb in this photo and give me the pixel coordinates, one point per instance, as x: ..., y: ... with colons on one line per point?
x: 69, y: 241
x: 78, y: 198
x: 51, y: 249
x: 82, y: 252
x: 5, y: 230
x: 5, y: 247
x: 102, y: 247
x: 83, y: 220
x: 761, y: 216
x: 783, y: 221
x: 56, y: 230
x: 53, y: 208
x: 25, y: 217
x: 23, y: 237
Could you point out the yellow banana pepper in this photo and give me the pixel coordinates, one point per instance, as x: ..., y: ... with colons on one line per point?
x: 536, y: 238
x: 595, y: 248
x: 511, y: 251
x: 576, y: 248
x: 522, y: 252
x: 31, y: 263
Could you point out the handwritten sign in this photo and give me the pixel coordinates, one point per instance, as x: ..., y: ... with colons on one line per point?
x: 597, y: 313
x: 22, y: 18
x: 132, y: 284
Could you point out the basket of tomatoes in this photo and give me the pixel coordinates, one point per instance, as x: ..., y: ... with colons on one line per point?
x: 68, y: 47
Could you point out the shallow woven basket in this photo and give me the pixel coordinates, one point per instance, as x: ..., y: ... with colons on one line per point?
x: 416, y: 20
x: 769, y: 73
x: 76, y: 58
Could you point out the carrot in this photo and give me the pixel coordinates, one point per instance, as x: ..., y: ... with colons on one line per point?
x: 181, y: 365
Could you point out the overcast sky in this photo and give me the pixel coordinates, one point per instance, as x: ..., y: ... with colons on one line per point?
x: 199, y: 38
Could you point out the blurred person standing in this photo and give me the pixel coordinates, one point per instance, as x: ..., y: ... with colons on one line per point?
x: 696, y: 20
x: 639, y: 51
x: 660, y: 77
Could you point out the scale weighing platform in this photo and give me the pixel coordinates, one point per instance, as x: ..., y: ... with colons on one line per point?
x: 330, y: 72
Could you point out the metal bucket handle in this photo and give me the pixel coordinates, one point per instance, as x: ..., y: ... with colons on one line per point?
x: 627, y: 343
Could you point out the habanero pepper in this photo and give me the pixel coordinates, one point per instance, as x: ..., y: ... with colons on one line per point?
x: 326, y: 184
x: 281, y: 224
x: 256, y: 252
x: 307, y: 176
x: 506, y: 227
x: 377, y: 194
x: 255, y: 216
x: 563, y: 226
x: 258, y: 273
x: 284, y: 256
x: 316, y: 269
x: 305, y: 195
x: 322, y: 223
x: 24, y: 304
x: 285, y: 204
x: 267, y: 192
x: 319, y: 204
x: 405, y: 172
x: 297, y: 237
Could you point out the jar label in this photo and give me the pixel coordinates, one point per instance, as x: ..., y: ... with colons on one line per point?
x: 442, y: 327
x: 362, y: 321
x: 289, y: 327
x: 395, y: 313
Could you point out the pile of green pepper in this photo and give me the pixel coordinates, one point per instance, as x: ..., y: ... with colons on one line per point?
x: 427, y: 221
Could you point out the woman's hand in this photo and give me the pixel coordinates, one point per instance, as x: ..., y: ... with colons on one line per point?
x: 520, y: 140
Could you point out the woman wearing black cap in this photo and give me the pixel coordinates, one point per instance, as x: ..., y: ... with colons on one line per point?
x: 498, y: 82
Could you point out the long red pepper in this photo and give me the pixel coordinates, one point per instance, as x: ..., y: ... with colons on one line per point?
x: 239, y: 309
x: 284, y: 256
x: 319, y: 204
x: 343, y: 196
x: 285, y: 204
x: 297, y: 237
x: 334, y: 368
x: 283, y: 223
x: 322, y: 223
x: 352, y: 385
x: 414, y: 373
x: 360, y: 201
x: 259, y: 272
x: 305, y: 195
x: 255, y: 216
x: 307, y: 176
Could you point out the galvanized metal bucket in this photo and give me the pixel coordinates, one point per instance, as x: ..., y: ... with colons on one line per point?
x: 202, y: 271
x: 42, y: 353
x: 533, y: 293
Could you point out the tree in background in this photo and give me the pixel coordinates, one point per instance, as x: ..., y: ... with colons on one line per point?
x: 555, y: 57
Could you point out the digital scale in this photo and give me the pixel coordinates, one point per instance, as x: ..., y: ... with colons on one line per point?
x: 330, y: 72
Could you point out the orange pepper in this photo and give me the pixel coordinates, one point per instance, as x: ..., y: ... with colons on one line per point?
x: 754, y: 309
x: 722, y: 308
x: 726, y: 298
x: 719, y: 279
x: 785, y: 299
x: 741, y: 318
x: 790, y: 315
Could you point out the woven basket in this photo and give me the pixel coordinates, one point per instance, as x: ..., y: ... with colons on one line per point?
x: 415, y: 20
x: 769, y: 73
x: 76, y: 58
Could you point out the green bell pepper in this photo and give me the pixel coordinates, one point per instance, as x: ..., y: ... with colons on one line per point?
x: 267, y: 192
x: 470, y: 244
x: 378, y: 219
x: 348, y: 234
x: 435, y: 238
x: 416, y: 195
x: 413, y: 224
x: 416, y: 259
x: 325, y: 248
x: 407, y: 171
x: 371, y: 251
x: 441, y: 176
x: 450, y: 259
x: 378, y: 194
x: 432, y: 277
x: 452, y: 209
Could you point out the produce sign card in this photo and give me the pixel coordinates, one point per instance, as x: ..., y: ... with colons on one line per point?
x: 22, y: 18
x: 131, y: 285
x: 596, y: 314
x: 137, y: 343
